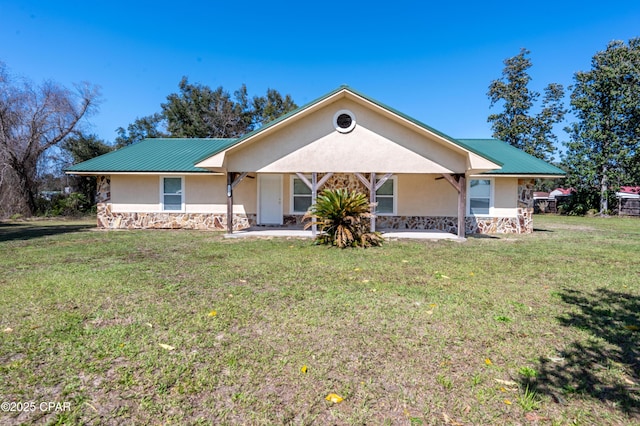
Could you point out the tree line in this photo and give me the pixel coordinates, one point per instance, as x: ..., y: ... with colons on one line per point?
x: 41, y: 126
x: 197, y: 111
x: 602, y: 152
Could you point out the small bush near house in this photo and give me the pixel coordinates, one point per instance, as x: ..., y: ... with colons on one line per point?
x: 578, y: 203
x: 343, y: 219
x: 74, y: 204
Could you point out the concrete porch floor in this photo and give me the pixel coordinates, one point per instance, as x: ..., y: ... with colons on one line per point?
x: 414, y: 234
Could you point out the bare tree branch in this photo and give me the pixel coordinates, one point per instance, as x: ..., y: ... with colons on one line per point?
x: 34, y: 119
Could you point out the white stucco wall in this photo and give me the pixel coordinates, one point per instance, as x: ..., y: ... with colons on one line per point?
x: 417, y: 195
x: 376, y: 144
x: 505, y: 197
x: 423, y: 195
x: 135, y: 193
x: 203, y: 194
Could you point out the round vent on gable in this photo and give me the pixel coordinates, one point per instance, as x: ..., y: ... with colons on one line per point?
x: 344, y: 121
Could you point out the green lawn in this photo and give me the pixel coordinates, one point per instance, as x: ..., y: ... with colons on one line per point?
x: 182, y: 327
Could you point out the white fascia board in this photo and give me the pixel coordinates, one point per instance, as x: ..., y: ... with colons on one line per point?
x: 524, y: 175
x: 145, y: 173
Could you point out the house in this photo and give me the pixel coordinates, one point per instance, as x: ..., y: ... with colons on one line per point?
x: 548, y: 202
x: 629, y: 201
x: 418, y: 177
x: 543, y: 203
x: 562, y: 192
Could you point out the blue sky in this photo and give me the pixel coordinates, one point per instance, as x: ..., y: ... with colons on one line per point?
x: 431, y: 61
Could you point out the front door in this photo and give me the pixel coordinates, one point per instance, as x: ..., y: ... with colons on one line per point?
x: 269, y: 199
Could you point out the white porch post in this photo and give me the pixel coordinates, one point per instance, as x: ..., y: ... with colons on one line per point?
x: 373, y: 187
x: 372, y: 200
x: 373, y: 184
x: 313, y: 186
x: 314, y: 196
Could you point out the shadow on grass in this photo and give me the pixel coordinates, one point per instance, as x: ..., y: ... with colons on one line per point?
x: 27, y: 231
x: 483, y: 236
x: 605, y: 367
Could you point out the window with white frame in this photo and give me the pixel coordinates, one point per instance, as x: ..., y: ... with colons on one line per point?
x: 386, y: 198
x: 300, y: 196
x: 480, y: 196
x: 172, y: 193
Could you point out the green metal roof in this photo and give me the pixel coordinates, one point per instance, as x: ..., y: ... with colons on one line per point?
x: 514, y: 161
x: 179, y: 155
x: 156, y: 155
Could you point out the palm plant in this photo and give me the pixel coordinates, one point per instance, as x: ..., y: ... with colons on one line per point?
x: 343, y: 219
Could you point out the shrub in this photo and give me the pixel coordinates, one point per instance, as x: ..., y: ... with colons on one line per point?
x: 578, y: 203
x: 74, y: 204
x: 343, y: 219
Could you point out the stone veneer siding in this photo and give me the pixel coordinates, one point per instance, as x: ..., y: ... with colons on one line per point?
x: 525, y: 205
x: 473, y: 225
x: 521, y: 224
x: 107, y: 219
x: 162, y: 220
x: 103, y: 189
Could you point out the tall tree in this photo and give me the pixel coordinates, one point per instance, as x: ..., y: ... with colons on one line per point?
x: 604, y: 146
x: 270, y: 107
x: 197, y: 111
x: 149, y: 126
x: 200, y: 112
x: 516, y: 124
x: 34, y: 119
x: 81, y: 148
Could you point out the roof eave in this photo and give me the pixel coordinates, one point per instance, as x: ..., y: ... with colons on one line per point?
x: 520, y: 175
x: 145, y: 172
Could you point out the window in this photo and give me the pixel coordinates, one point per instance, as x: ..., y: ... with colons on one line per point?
x: 344, y: 121
x: 301, y: 196
x: 171, y: 193
x: 480, y: 194
x: 386, y: 197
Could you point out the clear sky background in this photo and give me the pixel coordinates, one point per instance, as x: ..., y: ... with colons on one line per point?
x: 431, y: 60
